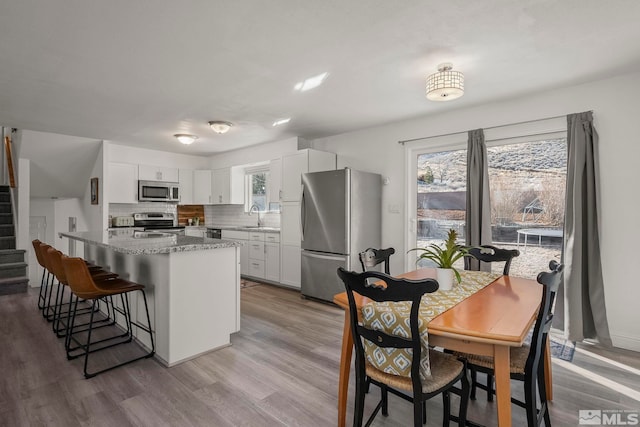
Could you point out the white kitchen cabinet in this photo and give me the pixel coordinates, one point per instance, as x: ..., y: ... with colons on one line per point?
x: 256, y: 254
x: 294, y: 165
x: 272, y: 257
x: 123, y: 183
x: 241, y: 237
x: 290, y: 223
x: 202, y: 187
x: 275, y: 181
x: 227, y: 186
x: 185, y: 178
x: 290, y: 265
x: 157, y: 173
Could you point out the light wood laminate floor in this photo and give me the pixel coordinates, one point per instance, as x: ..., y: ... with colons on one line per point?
x: 282, y: 370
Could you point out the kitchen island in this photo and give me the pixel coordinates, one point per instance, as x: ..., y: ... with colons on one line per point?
x: 192, y: 285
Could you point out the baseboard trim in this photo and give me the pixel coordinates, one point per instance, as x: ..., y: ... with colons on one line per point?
x: 626, y: 342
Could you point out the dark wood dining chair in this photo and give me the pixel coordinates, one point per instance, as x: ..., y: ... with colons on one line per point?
x: 527, y: 362
x: 488, y: 253
x: 371, y: 257
x: 446, y: 370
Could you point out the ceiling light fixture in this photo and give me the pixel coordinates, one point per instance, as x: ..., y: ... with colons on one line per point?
x: 281, y: 121
x: 311, y: 82
x: 446, y: 84
x: 220, y: 126
x: 185, y: 138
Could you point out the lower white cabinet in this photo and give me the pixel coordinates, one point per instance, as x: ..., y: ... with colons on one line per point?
x: 241, y: 237
x: 272, y: 261
x: 290, y: 265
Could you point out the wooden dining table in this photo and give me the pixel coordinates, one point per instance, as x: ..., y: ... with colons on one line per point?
x: 488, y: 323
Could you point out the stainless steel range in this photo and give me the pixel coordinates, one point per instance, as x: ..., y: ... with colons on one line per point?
x: 157, y: 221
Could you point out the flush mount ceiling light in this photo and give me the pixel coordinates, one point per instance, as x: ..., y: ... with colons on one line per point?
x: 185, y: 138
x: 446, y: 84
x: 311, y: 82
x: 281, y: 121
x: 219, y: 126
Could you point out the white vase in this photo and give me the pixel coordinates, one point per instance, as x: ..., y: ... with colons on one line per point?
x: 445, y: 278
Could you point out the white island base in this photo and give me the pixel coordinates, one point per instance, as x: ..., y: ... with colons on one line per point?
x: 193, y: 295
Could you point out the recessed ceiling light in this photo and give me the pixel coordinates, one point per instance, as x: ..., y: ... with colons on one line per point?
x: 281, y: 121
x: 185, y: 138
x: 311, y: 82
x: 220, y: 126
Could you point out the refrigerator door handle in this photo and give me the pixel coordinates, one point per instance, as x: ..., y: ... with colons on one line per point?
x: 336, y: 257
x: 302, y: 214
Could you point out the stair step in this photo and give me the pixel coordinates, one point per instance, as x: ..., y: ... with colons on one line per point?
x: 6, y: 218
x: 13, y: 269
x: 5, y: 207
x: 14, y: 285
x: 4, y: 188
x: 7, y: 230
x: 7, y: 242
x: 11, y: 255
x: 5, y: 197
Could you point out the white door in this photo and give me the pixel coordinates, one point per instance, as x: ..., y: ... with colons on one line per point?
x: 37, y: 230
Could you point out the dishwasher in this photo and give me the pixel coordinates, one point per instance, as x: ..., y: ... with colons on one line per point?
x: 214, y: 233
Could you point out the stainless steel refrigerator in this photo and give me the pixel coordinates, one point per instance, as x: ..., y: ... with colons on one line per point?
x: 341, y: 214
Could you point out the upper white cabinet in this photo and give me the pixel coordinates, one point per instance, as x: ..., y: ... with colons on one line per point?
x: 123, y: 183
x: 157, y: 173
x: 202, y: 187
x: 304, y: 161
x: 227, y: 186
x: 275, y: 181
x: 185, y: 178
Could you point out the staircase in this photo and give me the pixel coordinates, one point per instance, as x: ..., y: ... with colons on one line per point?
x: 13, y: 269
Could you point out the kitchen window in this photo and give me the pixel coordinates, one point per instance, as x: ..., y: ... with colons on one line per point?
x: 256, y: 188
x: 527, y: 174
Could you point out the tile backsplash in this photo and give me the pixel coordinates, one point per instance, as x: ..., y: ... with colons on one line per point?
x: 213, y: 214
x: 235, y: 215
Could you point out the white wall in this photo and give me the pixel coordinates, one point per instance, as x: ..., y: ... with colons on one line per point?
x: 123, y: 154
x: 254, y: 154
x: 96, y: 215
x: 616, y: 109
x: 23, y: 205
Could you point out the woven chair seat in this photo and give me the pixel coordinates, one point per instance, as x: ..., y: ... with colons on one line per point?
x: 444, y: 369
x: 518, y: 359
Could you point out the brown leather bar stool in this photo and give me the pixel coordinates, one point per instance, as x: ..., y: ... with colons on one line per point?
x: 43, y: 283
x: 85, y: 287
x: 54, y: 258
x: 48, y: 309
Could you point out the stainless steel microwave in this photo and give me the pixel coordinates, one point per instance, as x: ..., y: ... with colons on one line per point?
x: 158, y: 191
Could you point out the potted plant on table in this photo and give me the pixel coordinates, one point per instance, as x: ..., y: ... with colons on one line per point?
x: 444, y: 257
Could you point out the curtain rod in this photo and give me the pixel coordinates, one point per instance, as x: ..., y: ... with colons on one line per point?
x: 487, y: 128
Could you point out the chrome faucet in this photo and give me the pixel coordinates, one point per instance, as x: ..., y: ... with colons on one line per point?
x: 257, y: 209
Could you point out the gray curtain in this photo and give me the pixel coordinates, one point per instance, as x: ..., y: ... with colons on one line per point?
x: 584, y: 308
x: 478, y: 227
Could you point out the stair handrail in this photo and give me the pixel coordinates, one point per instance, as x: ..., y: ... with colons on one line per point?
x: 9, y: 160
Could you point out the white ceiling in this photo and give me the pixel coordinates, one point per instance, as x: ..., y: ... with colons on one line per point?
x: 137, y: 72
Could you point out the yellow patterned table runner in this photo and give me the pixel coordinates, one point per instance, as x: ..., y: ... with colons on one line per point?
x: 393, y: 318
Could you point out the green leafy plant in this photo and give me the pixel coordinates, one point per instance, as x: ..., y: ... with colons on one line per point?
x: 445, y: 256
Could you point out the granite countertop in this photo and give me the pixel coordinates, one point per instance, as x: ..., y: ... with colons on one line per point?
x: 134, y: 242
